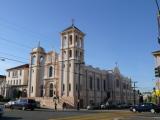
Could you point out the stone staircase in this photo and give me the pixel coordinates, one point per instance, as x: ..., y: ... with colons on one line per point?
x: 48, y: 102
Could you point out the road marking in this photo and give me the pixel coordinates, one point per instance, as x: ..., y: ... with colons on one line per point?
x: 98, y: 116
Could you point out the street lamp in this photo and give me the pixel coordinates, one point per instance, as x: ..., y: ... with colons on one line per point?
x: 78, y: 90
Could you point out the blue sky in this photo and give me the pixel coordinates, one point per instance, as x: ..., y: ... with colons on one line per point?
x: 122, y: 31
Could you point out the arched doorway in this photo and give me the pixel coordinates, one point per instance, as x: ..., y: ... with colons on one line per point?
x: 51, y: 90
x: 24, y: 93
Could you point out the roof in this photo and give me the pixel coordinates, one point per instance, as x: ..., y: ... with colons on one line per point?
x: 21, y: 66
x: 156, y: 52
x: 72, y: 27
x: 2, y: 76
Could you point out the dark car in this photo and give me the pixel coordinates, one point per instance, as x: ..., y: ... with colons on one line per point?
x: 1, y: 110
x: 146, y: 107
x: 24, y: 104
x: 93, y: 107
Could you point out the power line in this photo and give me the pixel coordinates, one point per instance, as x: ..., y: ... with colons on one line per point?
x: 15, y: 60
x: 16, y: 27
x: 8, y: 54
x: 15, y: 43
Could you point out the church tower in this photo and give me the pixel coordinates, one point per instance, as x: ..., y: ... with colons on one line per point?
x: 72, y: 55
x: 36, y: 72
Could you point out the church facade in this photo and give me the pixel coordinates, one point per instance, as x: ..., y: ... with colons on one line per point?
x: 65, y: 77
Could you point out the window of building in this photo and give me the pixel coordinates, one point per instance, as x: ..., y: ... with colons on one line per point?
x: 76, y: 87
x: 20, y: 72
x: 80, y: 42
x: 90, y: 83
x: 51, y: 90
x: 41, y: 91
x: 80, y: 54
x: 69, y: 86
x: 8, y: 74
x: 70, y: 53
x: 20, y: 82
x: 33, y: 60
x: 98, y: 84
x: 104, y: 85
x: 70, y: 39
x: 50, y: 71
x: 64, y: 41
x: 11, y: 82
x: 117, y: 83
x: 41, y: 60
x: 16, y: 82
x: 76, y: 40
x: 32, y: 89
x: 76, y: 54
x: 63, y: 87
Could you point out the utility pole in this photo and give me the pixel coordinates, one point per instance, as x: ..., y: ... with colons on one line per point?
x: 134, y: 92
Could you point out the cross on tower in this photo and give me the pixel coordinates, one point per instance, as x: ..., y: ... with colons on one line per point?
x: 72, y: 22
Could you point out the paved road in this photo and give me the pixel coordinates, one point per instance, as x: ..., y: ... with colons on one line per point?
x: 47, y: 114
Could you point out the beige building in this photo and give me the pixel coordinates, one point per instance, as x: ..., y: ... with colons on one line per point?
x: 2, y: 84
x: 17, y: 81
x: 66, y: 78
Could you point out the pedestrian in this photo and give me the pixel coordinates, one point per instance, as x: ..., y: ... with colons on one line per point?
x: 64, y: 105
x: 107, y: 105
x: 55, y: 106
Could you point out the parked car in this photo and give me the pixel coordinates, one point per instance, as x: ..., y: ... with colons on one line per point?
x: 24, y: 104
x: 9, y: 104
x: 93, y: 107
x: 146, y: 107
x: 1, y: 110
x: 104, y: 105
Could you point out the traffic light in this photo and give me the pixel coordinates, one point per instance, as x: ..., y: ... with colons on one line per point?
x: 157, y: 71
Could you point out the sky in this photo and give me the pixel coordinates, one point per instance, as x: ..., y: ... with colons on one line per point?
x: 117, y: 31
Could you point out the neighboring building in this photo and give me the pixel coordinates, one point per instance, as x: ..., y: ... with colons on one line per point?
x: 147, y: 96
x: 2, y: 84
x: 65, y: 77
x: 17, y: 81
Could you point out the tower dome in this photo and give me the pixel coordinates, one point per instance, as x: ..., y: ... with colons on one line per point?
x: 38, y: 49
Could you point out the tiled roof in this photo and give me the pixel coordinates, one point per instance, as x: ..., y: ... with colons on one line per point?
x: 2, y: 76
x: 21, y: 66
x: 72, y: 27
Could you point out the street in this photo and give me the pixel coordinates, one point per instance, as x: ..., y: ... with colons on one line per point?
x: 48, y: 114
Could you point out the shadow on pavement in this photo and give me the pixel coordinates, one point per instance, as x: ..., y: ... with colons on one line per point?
x: 10, y: 118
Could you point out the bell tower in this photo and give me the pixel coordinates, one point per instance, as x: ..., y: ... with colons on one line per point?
x: 36, y: 72
x: 72, y: 52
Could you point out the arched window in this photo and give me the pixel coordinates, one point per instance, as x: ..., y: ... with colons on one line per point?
x: 50, y: 71
x: 41, y: 92
x: 51, y: 90
x: 76, y: 54
x: 76, y: 40
x: 70, y: 39
x: 90, y: 84
x: 70, y: 53
x: 32, y: 89
x: 41, y: 59
x: 64, y: 41
x: 33, y: 60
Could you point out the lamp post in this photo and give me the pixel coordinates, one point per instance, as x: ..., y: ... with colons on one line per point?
x: 78, y: 90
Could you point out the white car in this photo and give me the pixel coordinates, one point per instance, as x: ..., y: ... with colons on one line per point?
x: 8, y: 104
x: 1, y: 110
